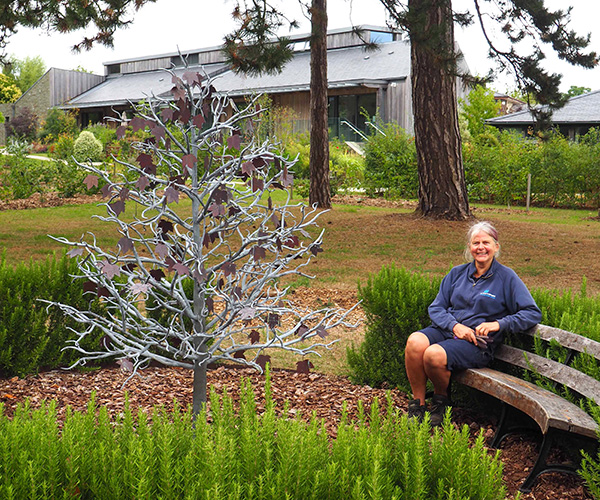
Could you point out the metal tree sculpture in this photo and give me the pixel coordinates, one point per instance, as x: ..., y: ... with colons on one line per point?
x: 193, y: 283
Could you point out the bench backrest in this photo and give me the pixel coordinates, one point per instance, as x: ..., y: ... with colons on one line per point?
x: 557, y: 372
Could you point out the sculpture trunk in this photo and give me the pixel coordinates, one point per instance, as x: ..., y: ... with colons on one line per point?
x: 199, y: 385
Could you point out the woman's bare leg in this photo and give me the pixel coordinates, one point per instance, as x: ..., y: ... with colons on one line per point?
x: 435, y: 363
x: 416, y: 345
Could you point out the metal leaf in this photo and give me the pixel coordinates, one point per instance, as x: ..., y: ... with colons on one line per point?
x: 262, y: 361
x: 172, y: 195
x: 75, y: 251
x: 126, y: 244
x: 142, y: 183
x: 247, y: 313
x: 110, y: 270
x: 254, y: 336
x: 91, y: 181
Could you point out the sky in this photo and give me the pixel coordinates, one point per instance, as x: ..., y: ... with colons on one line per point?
x: 169, y: 25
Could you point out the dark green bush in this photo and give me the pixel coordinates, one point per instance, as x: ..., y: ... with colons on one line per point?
x: 391, y: 164
x: 58, y: 122
x: 31, y: 336
x: 63, y: 147
x: 395, y: 302
x: 69, y: 178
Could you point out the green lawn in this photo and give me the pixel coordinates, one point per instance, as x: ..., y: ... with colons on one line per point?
x: 547, y: 247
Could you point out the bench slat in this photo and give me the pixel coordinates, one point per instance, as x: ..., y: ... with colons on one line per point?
x: 558, y: 372
x: 546, y: 408
x: 566, y: 339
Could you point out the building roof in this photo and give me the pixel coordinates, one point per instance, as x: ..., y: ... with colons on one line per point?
x: 582, y: 109
x: 346, y: 67
x: 131, y: 87
x: 292, y: 37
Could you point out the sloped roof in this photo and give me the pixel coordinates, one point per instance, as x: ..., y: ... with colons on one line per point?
x: 349, y: 66
x: 131, y: 87
x: 583, y: 108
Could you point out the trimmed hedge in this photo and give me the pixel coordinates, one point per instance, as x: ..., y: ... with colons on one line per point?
x: 395, y: 302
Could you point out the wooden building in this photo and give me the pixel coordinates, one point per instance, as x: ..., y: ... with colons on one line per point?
x: 575, y: 118
x: 52, y: 89
x: 360, y: 83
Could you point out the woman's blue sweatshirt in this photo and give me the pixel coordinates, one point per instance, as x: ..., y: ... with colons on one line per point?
x: 499, y: 295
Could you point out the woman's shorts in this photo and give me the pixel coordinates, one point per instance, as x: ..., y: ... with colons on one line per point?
x: 461, y: 354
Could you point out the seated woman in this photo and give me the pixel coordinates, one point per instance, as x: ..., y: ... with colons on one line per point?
x: 476, y: 304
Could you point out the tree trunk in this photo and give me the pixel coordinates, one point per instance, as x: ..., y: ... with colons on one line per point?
x: 319, y: 192
x: 442, y: 188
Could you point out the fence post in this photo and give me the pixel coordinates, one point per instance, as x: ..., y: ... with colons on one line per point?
x: 528, y: 190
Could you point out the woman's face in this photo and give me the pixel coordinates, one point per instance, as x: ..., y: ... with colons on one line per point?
x: 483, y: 248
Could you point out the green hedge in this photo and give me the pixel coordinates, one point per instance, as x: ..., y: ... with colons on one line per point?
x: 240, y: 455
x: 31, y: 336
x: 564, y: 173
x: 395, y: 302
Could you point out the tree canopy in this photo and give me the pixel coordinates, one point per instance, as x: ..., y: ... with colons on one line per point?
x: 25, y: 72
x: 106, y: 16
x: 575, y: 90
x: 479, y: 106
x: 9, y: 91
x: 529, y: 30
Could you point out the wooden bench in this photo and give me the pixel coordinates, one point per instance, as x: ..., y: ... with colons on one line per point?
x: 555, y: 417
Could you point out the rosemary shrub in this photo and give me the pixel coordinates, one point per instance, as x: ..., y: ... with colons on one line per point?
x: 239, y: 455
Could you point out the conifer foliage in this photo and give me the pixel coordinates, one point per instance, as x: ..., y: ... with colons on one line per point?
x: 212, y: 264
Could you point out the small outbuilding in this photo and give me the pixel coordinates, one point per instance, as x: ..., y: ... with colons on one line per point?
x: 53, y: 88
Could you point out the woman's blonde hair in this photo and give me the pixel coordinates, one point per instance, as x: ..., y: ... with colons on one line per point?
x: 487, y: 228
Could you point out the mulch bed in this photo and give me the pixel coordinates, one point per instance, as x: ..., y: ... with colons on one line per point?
x: 306, y: 393
x: 46, y: 201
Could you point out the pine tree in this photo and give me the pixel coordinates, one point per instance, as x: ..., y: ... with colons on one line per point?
x: 430, y: 24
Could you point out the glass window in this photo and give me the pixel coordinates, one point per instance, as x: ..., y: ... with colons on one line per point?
x: 367, y: 105
x: 381, y: 37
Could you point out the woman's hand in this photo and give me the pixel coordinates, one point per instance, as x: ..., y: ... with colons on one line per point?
x: 464, y: 332
x: 487, y: 328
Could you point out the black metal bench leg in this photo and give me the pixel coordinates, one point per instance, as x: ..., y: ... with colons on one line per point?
x: 540, y: 464
x: 503, y: 427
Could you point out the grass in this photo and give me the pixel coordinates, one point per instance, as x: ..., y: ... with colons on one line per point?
x: 548, y: 248
x: 359, y: 240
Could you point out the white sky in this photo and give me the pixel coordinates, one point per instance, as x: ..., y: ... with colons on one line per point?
x: 190, y: 24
